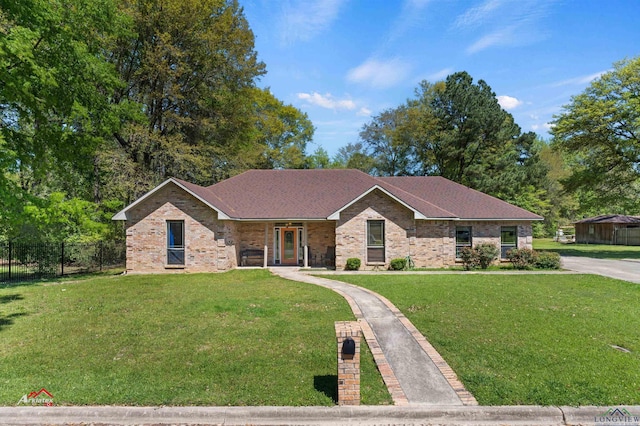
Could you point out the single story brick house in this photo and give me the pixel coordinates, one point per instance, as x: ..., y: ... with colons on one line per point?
x: 314, y: 218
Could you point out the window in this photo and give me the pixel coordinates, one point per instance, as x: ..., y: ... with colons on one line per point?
x: 463, y: 239
x: 175, y: 242
x: 508, y: 240
x: 375, y: 241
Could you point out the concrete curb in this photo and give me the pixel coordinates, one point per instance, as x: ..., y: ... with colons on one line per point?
x: 362, y: 415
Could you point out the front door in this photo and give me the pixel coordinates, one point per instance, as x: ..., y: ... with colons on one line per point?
x: 289, y: 246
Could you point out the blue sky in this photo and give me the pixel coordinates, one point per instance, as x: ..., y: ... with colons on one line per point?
x: 345, y: 61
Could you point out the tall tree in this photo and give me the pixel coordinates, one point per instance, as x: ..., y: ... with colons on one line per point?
x: 282, y: 133
x: 319, y: 159
x: 353, y: 156
x: 191, y: 65
x: 456, y: 129
x: 55, y: 88
x: 55, y: 110
x: 599, y: 130
x: 388, y: 138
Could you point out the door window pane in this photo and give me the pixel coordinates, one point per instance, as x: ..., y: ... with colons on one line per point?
x: 289, y: 248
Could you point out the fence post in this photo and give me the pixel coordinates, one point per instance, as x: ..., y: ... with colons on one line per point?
x: 9, y: 260
x: 62, y: 259
x: 101, y: 255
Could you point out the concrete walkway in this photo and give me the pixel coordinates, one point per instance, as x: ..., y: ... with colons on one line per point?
x: 413, y: 371
x: 628, y: 270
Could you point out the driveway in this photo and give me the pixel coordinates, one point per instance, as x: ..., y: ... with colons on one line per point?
x: 626, y: 269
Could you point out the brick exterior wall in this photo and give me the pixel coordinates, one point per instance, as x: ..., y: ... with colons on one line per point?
x: 430, y: 243
x: 215, y: 245
x: 320, y: 236
x: 209, y: 243
x: 351, y: 229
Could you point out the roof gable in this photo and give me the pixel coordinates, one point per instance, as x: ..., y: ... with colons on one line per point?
x: 197, y: 191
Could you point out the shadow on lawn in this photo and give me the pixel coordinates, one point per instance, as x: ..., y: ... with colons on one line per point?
x: 6, y: 320
x: 328, y: 385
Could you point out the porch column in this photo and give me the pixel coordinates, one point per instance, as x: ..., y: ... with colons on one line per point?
x: 266, y: 245
x: 305, y: 247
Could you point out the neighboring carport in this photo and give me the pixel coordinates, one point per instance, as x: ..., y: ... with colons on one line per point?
x: 612, y: 229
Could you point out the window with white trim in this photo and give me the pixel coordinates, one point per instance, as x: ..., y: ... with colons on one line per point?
x: 175, y: 242
x: 508, y: 240
x: 463, y: 239
x: 375, y: 241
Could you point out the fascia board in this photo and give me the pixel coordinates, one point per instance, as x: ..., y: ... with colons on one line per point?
x: 122, y: 214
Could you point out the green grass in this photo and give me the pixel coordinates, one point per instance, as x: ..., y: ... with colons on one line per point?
x: 600, y: 251
x: 239, y: 338
x: 532, y: 339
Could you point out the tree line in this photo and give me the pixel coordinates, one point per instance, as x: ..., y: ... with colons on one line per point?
x: 455, y: 128
x: 101, y: 100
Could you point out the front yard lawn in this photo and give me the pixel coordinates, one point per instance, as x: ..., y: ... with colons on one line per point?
x: 600, y: 251
x: 527, y: 339
x: 239, y: 338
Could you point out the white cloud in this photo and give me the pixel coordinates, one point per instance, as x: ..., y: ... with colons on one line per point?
x: 474, y: 16
x: 440, y: 75
x: 508, y: 102
x: 379, y: 74
x: 504, y: 23
x: 411, y: 16
x: 305, y: 19
x: 364, y: 112
x: 327, y: 101
x: 503, y: 36
x: 579, y: 81
x: 544, y: 126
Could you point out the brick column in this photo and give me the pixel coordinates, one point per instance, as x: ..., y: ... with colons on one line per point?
x: 348, y: 367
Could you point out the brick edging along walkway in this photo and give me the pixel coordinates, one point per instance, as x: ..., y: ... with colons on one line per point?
x: 465, y: 396
x: 390, y: 379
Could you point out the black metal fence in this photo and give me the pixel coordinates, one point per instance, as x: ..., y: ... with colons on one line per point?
x: 24, y: 261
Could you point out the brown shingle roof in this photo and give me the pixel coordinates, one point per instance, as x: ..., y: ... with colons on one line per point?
x: 464, y: 202
x: 290, y: 194
x: 319, y: 193
x: 611, y: 218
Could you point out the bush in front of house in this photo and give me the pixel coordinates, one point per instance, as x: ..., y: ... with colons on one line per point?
x: 353, y: 264
x: 398, y: 264
x: 481, y: 256
x: 547, y: 260
x: 523, y: 258
x: 469, y: 258
x: 486, y: 253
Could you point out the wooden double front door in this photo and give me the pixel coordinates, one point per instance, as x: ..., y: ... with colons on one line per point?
x: 289, y: 246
